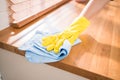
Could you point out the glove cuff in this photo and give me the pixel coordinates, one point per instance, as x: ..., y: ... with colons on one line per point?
x: 82, y: 22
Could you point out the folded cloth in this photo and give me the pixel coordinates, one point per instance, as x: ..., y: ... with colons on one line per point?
x: 36, y: 53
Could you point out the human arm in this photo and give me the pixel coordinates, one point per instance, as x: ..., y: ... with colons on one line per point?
x: 78, y: 25
x: 92, y: 8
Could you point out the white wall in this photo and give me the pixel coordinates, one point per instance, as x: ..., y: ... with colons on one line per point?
x: 4, y: 21
x: 15, y: 67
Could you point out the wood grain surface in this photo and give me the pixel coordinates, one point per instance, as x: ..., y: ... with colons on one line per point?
x: 96, y: 58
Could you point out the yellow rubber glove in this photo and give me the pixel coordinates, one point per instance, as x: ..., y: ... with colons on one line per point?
x: 54, y: 42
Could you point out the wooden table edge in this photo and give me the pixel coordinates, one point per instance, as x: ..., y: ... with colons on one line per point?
x: 72, y: 69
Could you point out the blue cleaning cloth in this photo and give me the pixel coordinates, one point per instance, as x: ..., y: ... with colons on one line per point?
x: 36, y: 53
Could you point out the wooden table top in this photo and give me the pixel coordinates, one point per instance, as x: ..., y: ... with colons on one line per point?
x: 96, y: 58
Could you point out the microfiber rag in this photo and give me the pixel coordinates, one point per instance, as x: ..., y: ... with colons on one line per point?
x: 36, y: 53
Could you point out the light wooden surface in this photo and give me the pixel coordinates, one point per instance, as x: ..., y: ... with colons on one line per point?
x: 97, y: 57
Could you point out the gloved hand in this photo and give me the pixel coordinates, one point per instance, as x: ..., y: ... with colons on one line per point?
x: 54, y: 42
